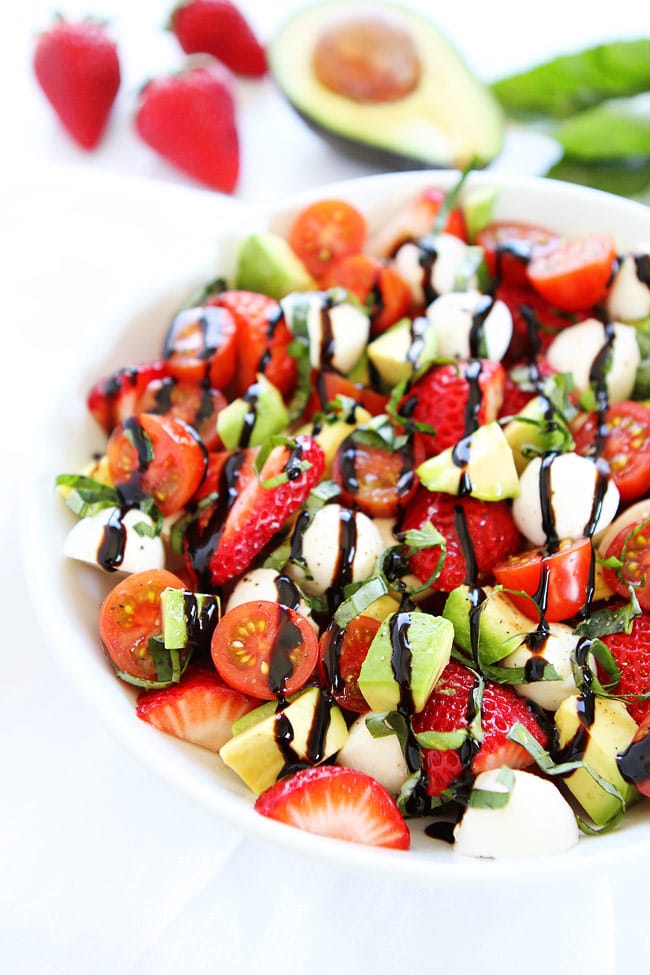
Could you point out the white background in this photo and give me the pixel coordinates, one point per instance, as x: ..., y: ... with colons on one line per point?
x: 103, y: 868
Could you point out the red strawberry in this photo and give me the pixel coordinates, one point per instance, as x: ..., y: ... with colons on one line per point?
x: 201, y: 709
x: 550, y: 320
x: 77, y: 67
x: 446, y: 394
x: 219, y: 28
x: 189, y: 119
x: 449, y: 709
x: 262, y: 339
x: 490, y: 528
x: 337, y: 802
x: 258, y: 512
x: 115, y: 398
x: 631, y: 651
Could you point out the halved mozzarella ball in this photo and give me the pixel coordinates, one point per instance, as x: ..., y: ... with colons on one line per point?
x: 571, y: 499
x: 466, y: 321
x: 271, y: 586
x: 339, y: 546
x: 110, y: 539
x: 629, y: 295
x: 382, y: 758
x: 557, y: 650
x: 576, y: 348
x: 535, y: 821
x: 432, y: 263
x: 337, y: 330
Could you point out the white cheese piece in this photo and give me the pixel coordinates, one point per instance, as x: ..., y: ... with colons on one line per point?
x: 337, y: 331
x: 108, y: 530
x: 629, y: 296
x: 382, y: 758
x: 557, y: 650
x: 266, y: 584
x: 575, y: 349
x: 436, y: 263
x: 455, y: 315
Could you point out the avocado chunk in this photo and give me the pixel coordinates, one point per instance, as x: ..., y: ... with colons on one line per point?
x: 480, y: 465
x: 403, y: 350
x: 533, y: 431
x: 489, y: 625
x: 267, y: 264
x: 598, y: 744
x: 404, y: 661
x: 250, y: 419
x: 308, y: 730
x: 188, y: 618
x: 384, y: 82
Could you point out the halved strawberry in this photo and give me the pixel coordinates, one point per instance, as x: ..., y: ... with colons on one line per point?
x: 337, y: 802
x: 454, y: 399
x: 491, y: 532
x: 449, y: 708
x: 200, y: 709
x: 115, y: 397
x: 631, y: 651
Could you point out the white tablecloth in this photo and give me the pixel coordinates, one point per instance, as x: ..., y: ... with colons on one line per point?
x: 103, y: 868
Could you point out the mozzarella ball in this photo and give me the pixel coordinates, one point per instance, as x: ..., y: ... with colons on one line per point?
x: 456, y: 315
x: 338, y: 546
x: 629, y: 296
x: 110, y: 537
x: 536, y: 820
x: 573, y: 486
x: 382, y: 758
x: 575, y: 349
x: 337, y: 330
x: 434, y: 262
x: 558, y: 651
x: 269, y: 585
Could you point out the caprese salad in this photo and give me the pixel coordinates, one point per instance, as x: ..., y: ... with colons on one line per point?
x: 378, y: 512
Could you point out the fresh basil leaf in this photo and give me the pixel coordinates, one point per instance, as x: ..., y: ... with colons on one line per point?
x: 522, y: 736
x: 627, y: 127
x: 263, y: 455
x: 364, y: 596
x: 490, y: 798
x: 629, y: 178
x: 605, y: 621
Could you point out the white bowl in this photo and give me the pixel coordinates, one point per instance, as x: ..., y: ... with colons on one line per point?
x: 69, y: 593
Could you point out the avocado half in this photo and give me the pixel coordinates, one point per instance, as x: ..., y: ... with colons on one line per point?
x: 432, y: 113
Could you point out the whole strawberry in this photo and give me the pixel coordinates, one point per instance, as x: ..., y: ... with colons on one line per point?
x: 219, y: 28
x: 77, y: 67
x: 189, y: 119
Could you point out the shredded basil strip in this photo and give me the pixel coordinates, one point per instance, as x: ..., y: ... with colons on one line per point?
x: 263, y: 455
x: 364, y: 596
x: 493, y: 799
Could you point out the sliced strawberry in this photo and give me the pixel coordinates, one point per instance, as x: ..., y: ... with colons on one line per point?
x: 115, y: 398
x: 450, y: 708
x: 631, y: 651
x: 200, y: 709
x: 263, y: 338
x: 454, y: 399
x: 491, y: 533
x: 257, y: 513
x: 337, y: 802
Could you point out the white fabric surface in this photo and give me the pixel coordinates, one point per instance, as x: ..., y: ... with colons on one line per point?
x: 103, y: 868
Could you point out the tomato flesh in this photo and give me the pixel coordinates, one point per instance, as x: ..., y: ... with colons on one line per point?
x: 195, y: 403
x: 324, y: 232
x: 264, y: 649
x: 575, y: 273
x: 632, y: 547
x: 381, y: 290
x: 130, y: 615
x: 557, y: 582
x: 200, y: 345
x: 510, y: 246
x: 624, y: 434
x: 341, y: 655
x: 376, y: 480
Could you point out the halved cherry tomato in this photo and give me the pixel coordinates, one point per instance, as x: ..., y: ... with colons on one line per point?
x: 158, y: 457
x: 559, y: 581
x: 509, y: 247
x: 341, y: 655
x: 200, y: 344
x: 376, y: 480
x: 535, y: 321
x: 384, y: 293
x: 632, y: 547
x: 115, y: 397
x: 129, y: 616
x: 574, y: 274
x: 326, y: 231
x: 328, y: 385
x: 264, y: 649
x: 199, y: 405
x: 625, y: 445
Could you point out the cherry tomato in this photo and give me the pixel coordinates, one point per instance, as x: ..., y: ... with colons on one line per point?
x: 509, y: 247
x: 574, y: 274
x: 200, y: 344
x: 326, y: 231
x: 199, y: 405
x: 376, y: 480
x: 158, y: 457
x: 535, y: 321
x: 632, y: 547
x: 341, y: 655
x: 264, y: 649
x: 129, y: 616
x: 564, y: 574
x: 381, y: 290
x: 328, y: 385
x: 115, y: 397
x: 625, y: 439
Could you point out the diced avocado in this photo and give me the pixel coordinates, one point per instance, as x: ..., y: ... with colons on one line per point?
x: 493, y: 623
x: 188, y: 618
x: 250, y: 419
x: 477, y: 205
x: 405, y: 659
x: 360, y: 371
x: 422, y: 104
x: 258, y: 714
x: 608, y: 735
x: 382, y: 607
x: 405, y: 348
x: 267, y: 264
x: 481, y: 465
x: 259, y: 753
x: 330, y: 436
x: 531, y: 432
